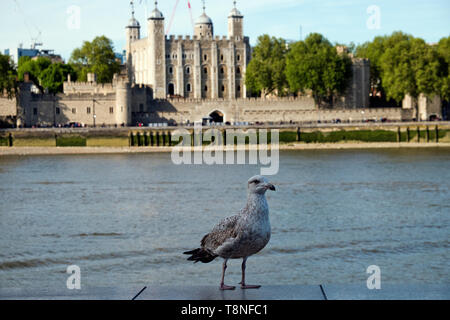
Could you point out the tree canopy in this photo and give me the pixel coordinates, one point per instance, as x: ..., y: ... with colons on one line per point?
x: 96, y: 57
x: 402, y: 64
x: 314, y: 64
x: 43, y: 72
x: 54, y: 76
x: 33, y: 67
x: 443, y: 49
x: 8, y: 76
x: 266, y: 70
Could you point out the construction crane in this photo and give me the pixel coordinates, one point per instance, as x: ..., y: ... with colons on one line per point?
x: 169, y: 27
x: 172, y: 16
x: 34, y: 40
x: 190, y: 12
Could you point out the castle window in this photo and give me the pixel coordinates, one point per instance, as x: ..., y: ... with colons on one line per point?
x: 58, y: 110
x: 239, y: 88
x: 205, y: 57
x: 188, y: 70
x: 188, y: 87
x: 74, y: 110
x: 205, y: 70
x: 167, y: 56
x: 111, y: 110
x: 223, y: 88
x: 221, y: 57
x: 170, y: 70
x: 222, y: 70
x: 238, y: 70
x: 88, y: 110
x: 35, y: 111
x: 238, y: 57
x: 206, y: 88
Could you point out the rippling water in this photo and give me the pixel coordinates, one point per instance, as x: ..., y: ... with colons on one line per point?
x: 126, y: 219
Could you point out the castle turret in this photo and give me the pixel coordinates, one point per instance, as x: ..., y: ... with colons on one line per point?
x: 157, y: 59
x: 123, y: 101
x: 235, y: 24
x: 133, y: 31
x: 204, y: 26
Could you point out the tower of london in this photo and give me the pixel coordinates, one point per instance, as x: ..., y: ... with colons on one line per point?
x: 181, y: 80
x: 201, y: 66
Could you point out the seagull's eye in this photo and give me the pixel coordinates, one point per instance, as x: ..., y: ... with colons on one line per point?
x: 256, y: 181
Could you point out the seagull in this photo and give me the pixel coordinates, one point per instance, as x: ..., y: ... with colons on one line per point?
x: 241, y: 235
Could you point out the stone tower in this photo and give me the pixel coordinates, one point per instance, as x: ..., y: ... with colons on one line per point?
x: 204, y: 26
x: 235, y: 24
x: 123, y: 101
x: 133, y: 31
x: 157, y: 53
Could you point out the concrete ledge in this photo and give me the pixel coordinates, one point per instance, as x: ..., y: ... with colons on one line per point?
x: 296, y: 292
x: 388, y: 292
x: 213, y: 293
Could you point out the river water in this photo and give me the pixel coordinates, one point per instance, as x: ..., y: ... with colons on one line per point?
x: 126, y: 219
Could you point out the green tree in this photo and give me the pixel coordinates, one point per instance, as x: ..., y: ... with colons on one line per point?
x: 315, y: 65
x: 43, y: 72
x: 443, y: 49
x: 374, y: 50
x: 54, y: 76
x: 266, y: 70
x: 95, y: 57
x: 8, y: 76
x: 410, y: 66
x: 33, y: 67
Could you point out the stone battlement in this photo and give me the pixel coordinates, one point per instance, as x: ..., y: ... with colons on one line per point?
x: 176, y: 38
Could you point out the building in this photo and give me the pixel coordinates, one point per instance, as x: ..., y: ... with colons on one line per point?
x: 203, y: 66
x: 33, y: 53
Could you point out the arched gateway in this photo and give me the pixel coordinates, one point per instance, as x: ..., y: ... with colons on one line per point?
x: 216, y: 117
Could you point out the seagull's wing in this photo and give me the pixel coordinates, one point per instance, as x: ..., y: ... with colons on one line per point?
x: 224, y: 232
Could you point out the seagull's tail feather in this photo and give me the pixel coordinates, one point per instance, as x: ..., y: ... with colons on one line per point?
x: 201, y: 255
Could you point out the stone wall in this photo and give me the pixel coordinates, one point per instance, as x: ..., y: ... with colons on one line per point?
x: 7, y: 107
x: 130, y: 106
x: 61, y: 109
x: 259, y: 110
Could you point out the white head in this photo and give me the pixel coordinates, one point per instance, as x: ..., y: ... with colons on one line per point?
x: 259, y: 184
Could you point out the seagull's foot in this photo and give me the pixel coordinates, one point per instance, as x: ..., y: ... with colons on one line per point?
x: 249, y: 286
x: 225, y: 287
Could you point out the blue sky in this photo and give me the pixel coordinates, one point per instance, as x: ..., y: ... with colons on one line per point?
x: 340, y: 21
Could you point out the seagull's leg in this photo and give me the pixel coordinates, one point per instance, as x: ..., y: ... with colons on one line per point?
x: 222, y: 285
x: 243, y: 285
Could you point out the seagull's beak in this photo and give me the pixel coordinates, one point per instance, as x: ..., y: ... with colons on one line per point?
x: 270, y: 187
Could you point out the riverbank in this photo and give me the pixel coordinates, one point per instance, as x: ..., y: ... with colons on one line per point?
x: 31, y: 151
x: 326, y: 134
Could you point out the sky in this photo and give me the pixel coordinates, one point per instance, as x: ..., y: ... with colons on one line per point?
x: 64, y: 24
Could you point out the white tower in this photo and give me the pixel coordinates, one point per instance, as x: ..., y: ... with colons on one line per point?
x: 235, y: 24
x: 133, y: 31
x: 157, y: 53
x: 204, y: 25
